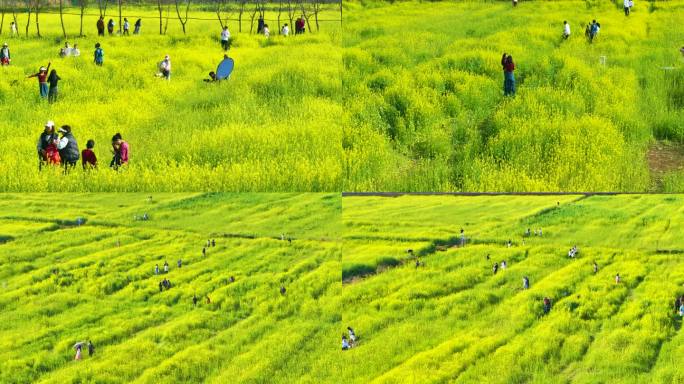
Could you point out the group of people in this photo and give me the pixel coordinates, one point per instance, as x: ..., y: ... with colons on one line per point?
x: 537, y: 232
x: 573, y: 252
x: 111, y: 24
x: 348, y: 343
x: 164, y: 284
x: 79, y: 347
x: 44, y: 79
x: 54, y: 149
x: 67, y: 50
x: 495, y: 267
x: 592, y: 30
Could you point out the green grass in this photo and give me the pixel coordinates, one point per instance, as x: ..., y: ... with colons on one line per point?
x: 104, y: 288
x: 452, y: 320
x: 426, y: 110
x: 272, y: 127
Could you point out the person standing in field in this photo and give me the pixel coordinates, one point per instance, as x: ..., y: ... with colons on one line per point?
x: 100, y: 26
x: 547, y: 305
x: 88, y: 158
x: 267, y: 32
x: 300, y: 26
x: 463, y: 239
x: 352, y: 336
x: 627, y: 4
x: 78, y: 352
x: 285, y: 31
x: 617, y: 278
x: 53, y: 79
x: 98, y: 55
x: 5, y: 57
x: 515, y: 3
x: 526, y: 282
x: 225, y: 38
x: 509, y: 78
x: 110, y: 26
x: 180, y: 263
x: 126, y: 26
x: 91, y: 349
x: 13, y: 28
x: 166, y: 266
x: 595, y: 268
x: 495, y: 268
x: 566, y: 30
x: 42, y: 80
x: 68, y: 148
x: 681, y: 50
x: 138, y: 23
x: 260, y: 25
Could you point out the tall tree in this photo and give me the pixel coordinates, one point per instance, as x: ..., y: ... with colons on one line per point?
x: 61, y: 17
x: 102, y: 7
x: 83, y: 4
x: 184, y: 18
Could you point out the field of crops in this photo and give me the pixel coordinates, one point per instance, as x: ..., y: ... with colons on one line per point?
x: 453, y: 320
x: 273, y: 126
x: 64, y: 283
x: 426, y: 111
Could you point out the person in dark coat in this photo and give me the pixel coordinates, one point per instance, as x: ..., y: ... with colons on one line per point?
x: 68, y: 148
x: 100, y: 26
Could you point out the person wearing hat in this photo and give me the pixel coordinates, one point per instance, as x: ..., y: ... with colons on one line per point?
x: 42, y: 80
x: 165, y: 67
x: 68, y: 148
x: 47, y: 151
x: 5, y: 55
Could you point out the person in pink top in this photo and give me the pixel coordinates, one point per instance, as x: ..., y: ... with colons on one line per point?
x: 120, y: 151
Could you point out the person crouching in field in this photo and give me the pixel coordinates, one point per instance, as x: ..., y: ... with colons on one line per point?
x: 47, y: 146
x: 5, y: 57
x: 509, y: 79
x: 120, y: 151
x: 165, y: 68
x: 88, y: 158
x: 98, y: 55
x: 68, y: 148
x: 53, y: 79
x: 566, y: 30
x: 42, y: 80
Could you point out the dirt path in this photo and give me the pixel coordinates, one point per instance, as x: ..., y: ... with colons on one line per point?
x: 663, y: 157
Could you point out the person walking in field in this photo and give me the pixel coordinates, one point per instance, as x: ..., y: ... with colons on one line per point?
x: 138, y: 24
x: 68, y: 148
x: 180, y: 263
x: 88, y: 158
x: 42, y: 80
x: 628, y: 6
x: 126, y: 27
x: 225, y: 38
x: 495, y: 268
x: 5, y: 57
x: 213, y: 242
x: 52, y: 80
x: 78, y: 352
x: 100, y: 26
x: 110, y: 27
x: 595, y: 267
x: 283, y: 290
x: 594, y: 30
x: 156, y: 269
x: 463, y: 239
x: 91, y: 349
x: 566, y: 30
x: 98, y: 55
x: 285, y: 31
x: 547, y: 305
x: 166, y: 267
x: 509, y: 79
x: 526, y: 282
x: 617, y: 278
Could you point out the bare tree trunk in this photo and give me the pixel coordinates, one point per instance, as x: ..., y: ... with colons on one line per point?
x: 341, y: 13
x: 159, y: 6
x: 306, y: 16
x: 280, y: 10
x: 252, y: 16
x: 28, y: 19
x: 82, y: 12
x: 180, y: 18
x: 120, y: 21
x: 37, y: 22
x: 166, y: 23
x: 61, y: 17
x: 242, y: 10
x: 218, y: 12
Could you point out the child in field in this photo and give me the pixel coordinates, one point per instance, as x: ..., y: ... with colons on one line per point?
x: 547, y: 305
x: 225, y: 38
x: 126, y: 26
x: 99, y: 55
x: 75, y: 52
x: 285, y: 31
x: 345, y: 343
x: 509, y: 78
x: 120, y: 150
x: 42, y: 80
x: 110, y: 26
x: 566, y: 30
x: 267, y: 32
x: 138, y: 23
x: 53, y: 79
x: 5, y: 57
x: 212, y: 77
x: 88, y: 158
x: 165, y: 67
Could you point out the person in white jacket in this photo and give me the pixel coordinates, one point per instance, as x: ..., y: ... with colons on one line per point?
x: 225, y: 38
x: 285, y: 31
x: 566, y: 30
x: 165, y: 67
x: 627, y: 4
